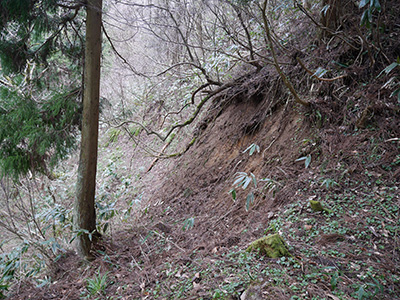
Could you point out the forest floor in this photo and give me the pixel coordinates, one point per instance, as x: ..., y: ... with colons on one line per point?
x: 182, y: 235
x: 187, y: 238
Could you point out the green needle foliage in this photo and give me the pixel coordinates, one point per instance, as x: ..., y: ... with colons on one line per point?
x: 41, y: 57
x: 25, y: 26
x: 33, y: 133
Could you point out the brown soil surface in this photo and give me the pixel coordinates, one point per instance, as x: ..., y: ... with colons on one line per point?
x: 197, y: 186
x: 141, y: 256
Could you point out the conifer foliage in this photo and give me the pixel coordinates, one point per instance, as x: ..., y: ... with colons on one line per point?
x: 41, y: 46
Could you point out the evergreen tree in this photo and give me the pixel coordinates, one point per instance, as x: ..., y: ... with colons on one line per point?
x: 41, y: 54
x: 84, y: 206
x: 41, y: 51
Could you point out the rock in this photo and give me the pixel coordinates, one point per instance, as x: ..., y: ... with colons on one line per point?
x: 330, y: 238
x: 162, y: 227
x: 317, y: 206
x: 253, y: 292
x: 272, y: 246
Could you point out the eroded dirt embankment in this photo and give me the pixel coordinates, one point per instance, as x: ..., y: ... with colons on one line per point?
x: 198, y: 184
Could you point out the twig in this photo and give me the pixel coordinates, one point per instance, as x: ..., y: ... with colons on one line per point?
x: 119, y: 55
x: 177, y: 154
x: 173, y: 243
x: 371, y: 58
x: 209, y: 80
x: 270, y: 145
x: 161, y: 152
x: 187, y: 122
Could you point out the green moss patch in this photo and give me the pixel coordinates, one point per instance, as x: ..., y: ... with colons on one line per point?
x: 317, y: 206
x: 272, y: 246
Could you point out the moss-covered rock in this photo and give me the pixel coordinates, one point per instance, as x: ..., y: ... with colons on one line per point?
x: 271, y: 246
x: 317, y: 206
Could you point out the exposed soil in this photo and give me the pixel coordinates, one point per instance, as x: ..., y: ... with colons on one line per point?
x: 351, y: 142
x: 197, y: 186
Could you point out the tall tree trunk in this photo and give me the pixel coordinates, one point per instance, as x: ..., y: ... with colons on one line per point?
x: 84, y: 210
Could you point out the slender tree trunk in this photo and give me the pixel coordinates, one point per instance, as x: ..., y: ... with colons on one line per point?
x: 84, y: 210
x: 330, y: 16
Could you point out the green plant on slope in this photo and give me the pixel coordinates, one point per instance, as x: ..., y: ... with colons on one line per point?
x: 363, y: 291
x: 252, y: 148
x: 35, y: 228
x: 371, y: 7
x: 188, y: 224
x: 394, y: 81
x: 307, y: 160
x: 244, y: 180
x: 329, y: 183
x: 96, y: 286
x: 10, y: 266
x: 3, y: 288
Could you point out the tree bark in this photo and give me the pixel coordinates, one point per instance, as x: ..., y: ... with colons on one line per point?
x: 330, y: 16
x: 84, y: 206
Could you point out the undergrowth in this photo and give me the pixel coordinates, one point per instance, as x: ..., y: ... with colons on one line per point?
x: 42, y: 232
x: 351, y: 252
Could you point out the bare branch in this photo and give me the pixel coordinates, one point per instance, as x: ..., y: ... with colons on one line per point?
x: 120, y: 56
x: 77, y: 5
x: 276, y: 64
x: 209, y: 80
x: 187, y: 122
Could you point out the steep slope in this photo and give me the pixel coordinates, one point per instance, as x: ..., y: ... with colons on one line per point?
x: 187, y: 239
x: 198, y: 185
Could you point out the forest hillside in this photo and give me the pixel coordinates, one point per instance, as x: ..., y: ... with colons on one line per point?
x: 283, y: 120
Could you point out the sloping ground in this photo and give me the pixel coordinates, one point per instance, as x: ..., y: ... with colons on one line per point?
x: 352, y: 252
x: 199, y: 184
x: 187, y: 241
